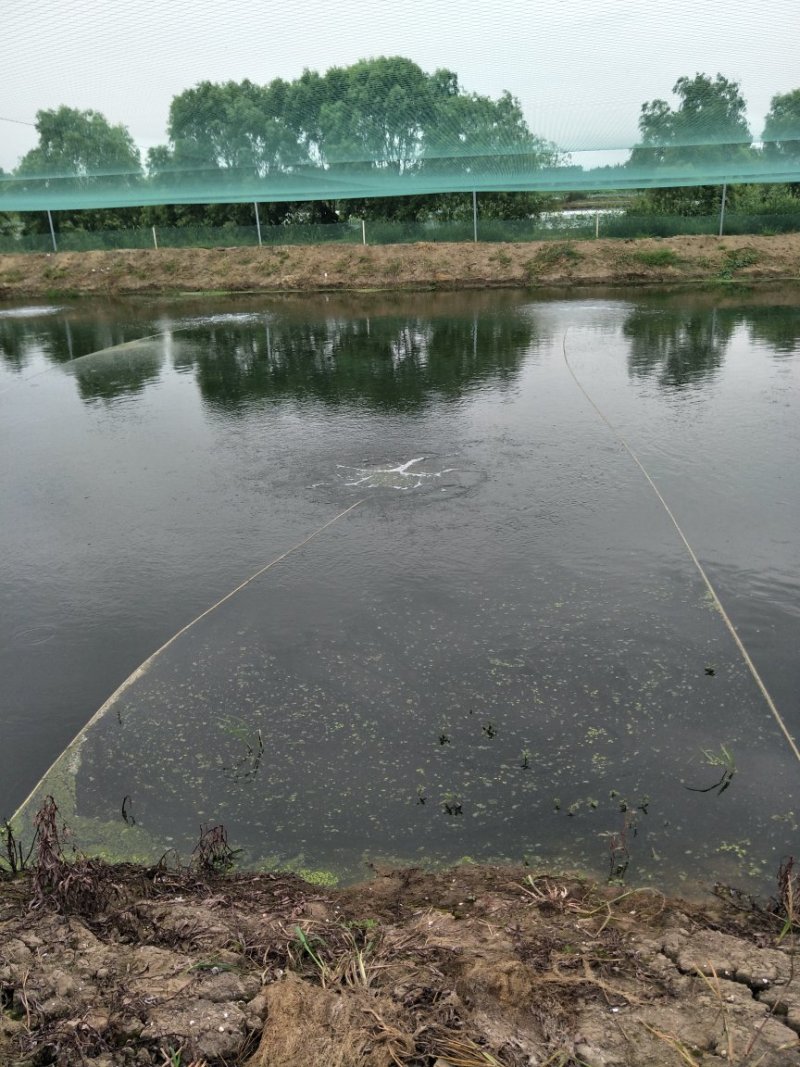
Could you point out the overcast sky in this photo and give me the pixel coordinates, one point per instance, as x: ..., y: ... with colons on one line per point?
x: 581, y: 69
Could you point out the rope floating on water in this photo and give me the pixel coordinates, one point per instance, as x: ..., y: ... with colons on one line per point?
x: 693, y: 556
x: 145, y: 666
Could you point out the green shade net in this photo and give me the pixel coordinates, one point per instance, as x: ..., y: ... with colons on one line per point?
x: 570, y: 98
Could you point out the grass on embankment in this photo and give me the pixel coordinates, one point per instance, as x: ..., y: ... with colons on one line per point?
x: 647, y: 261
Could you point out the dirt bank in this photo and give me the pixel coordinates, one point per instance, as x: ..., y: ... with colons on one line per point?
x: 469, y: 968
x: 675, y: 260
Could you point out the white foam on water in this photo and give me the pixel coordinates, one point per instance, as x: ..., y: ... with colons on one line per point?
x: 28, y: 312
x: 400, y: 477
x: 221, y: 317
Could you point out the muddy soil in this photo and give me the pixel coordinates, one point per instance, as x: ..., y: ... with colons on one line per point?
x: 667, y: 261
x: 472, y: 967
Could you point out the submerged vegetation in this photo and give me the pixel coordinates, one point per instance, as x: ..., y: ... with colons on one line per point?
x: 426, y: 721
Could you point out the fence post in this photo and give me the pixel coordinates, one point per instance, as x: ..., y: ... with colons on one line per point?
x: 52, y: 230
x: 258, y: 223
x: 596, y: 225
x: 155, y: 239
x: 474, y: 216
x: 722, y: 208
x: 363, y: 232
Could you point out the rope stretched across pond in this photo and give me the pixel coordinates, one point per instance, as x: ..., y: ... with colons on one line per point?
x: 693, y: 556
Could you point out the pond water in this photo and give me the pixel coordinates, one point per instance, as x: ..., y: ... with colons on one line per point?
x: 503, y: 650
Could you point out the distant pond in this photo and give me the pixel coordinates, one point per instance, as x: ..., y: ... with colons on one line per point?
x: 502, y: 652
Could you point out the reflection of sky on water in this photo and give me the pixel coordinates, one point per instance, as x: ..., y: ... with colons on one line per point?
x: 509, y: 584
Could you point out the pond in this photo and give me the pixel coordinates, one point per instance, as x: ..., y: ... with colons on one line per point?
x: 480, y: 635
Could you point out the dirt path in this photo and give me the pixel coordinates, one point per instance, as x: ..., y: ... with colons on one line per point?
x: 676, y: 260
x: 475, y: 967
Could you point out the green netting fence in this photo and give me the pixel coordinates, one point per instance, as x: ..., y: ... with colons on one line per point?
x: 574, y: 226
x: 385, y: 127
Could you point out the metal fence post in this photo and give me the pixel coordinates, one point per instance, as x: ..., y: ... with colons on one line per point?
x: 363, y: 232
x: 155, y: 239
x: 52, y: 230
x: 722, y: 208
x: 474, y: 216
x: 596, y: 225
x: 258, y: 223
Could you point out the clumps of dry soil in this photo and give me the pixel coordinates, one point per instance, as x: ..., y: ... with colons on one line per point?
x: 475, y: 967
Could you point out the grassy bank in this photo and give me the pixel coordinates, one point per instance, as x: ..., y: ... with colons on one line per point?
x: 669, y: 261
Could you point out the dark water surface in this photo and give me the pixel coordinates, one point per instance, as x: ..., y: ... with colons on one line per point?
x: 503, y: 652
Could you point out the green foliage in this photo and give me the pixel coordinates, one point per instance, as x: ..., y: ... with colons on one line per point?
x: 657, y: 257
x: 306, y: 947
x: 383, y: 116
x: 97, y: 155
x: 558, y: 254
x: 707, y: 128
x: 317, y: 876
x: 417, y: 142
x: 708, y: 125
x: 235, y: 127
x: 736, y: 259
x: 720, y: 760
x: 782, y: 129
x: 83, y: 144
x: 775, y: 199
x: 380, y: 114
x: 685, y: 202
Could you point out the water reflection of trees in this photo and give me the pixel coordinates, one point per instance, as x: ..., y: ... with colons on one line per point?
x: 118, y: 372
x: 400, y: 356
x: 684, y: 346
x: 393, y: 361
x: 61, y: 337
x: 776, y: 328
x: 678, y: 347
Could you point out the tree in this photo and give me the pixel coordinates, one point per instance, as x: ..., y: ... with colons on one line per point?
x: 708, y: 126
x: 707, y: 130
x: 375, y: 113
x: 383, y: 114
x: 236, y: 128
x: 8, y: 224
x: 388, y: 114
x: 81, y: 145
x: 782, y: 128
x: 781, y: 134
x: 83, y: 151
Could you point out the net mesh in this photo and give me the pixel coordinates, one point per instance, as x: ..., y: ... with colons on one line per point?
x: 140, y: 106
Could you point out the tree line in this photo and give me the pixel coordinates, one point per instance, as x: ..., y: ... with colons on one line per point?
x: 709, y: 128
x: 389, y: 115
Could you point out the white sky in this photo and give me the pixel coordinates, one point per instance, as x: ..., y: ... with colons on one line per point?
x: 581, y: 69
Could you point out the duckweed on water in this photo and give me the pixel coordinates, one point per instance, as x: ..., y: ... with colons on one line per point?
x: 337, y: 707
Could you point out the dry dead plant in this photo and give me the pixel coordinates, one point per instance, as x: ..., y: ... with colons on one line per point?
x: 464, y: 1052
x: 545, y: 892
x: 347, y: 955
x: 212, y: 855
x: 397, y: 1042
x: 588, y: 909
